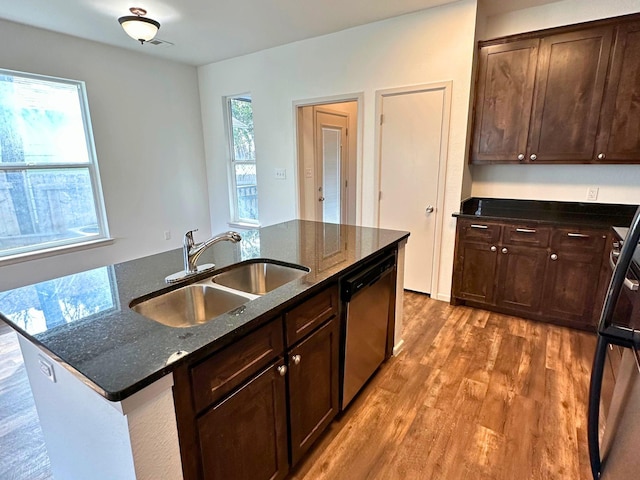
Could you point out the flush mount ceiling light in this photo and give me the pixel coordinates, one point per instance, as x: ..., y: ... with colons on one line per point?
x: 138, y: 27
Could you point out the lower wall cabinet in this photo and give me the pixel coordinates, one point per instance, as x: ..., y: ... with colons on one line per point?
x: 548, y: 273
x: 251, y: 410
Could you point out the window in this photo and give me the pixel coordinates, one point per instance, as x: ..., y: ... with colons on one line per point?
x: 243, y: 183
x: 50, y: 192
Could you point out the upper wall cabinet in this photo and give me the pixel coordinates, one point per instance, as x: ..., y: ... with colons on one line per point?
x: 567, y: 95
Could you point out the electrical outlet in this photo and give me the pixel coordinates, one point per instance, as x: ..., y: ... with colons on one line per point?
x: 167, y: 234
x: 46, y: 368
x: 592, y: 194
x: 281, y: 173
x: 308, y: 173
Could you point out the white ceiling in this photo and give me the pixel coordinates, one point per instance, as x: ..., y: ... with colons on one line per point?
x: 205, y: 31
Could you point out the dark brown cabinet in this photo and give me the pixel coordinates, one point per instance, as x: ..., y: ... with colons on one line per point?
x: 565, y: 95
x: 244, y: 436
x: 505, y: 94
x: 619, y: 135
x: 252, y: 409
x: 313, y: 386
x: 533, y: 271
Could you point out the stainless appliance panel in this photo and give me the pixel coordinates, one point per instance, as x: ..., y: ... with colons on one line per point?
x: 367, y: 320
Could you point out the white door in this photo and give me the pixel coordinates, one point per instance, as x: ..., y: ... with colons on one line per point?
x: 330, y: 138
x: 411, y: 148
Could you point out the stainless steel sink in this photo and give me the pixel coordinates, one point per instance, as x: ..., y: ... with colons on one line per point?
x: 190, y: 305
x: 260, y: 277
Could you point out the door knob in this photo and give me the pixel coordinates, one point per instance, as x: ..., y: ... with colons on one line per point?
x: 429, y: 209
x: 321, y: 199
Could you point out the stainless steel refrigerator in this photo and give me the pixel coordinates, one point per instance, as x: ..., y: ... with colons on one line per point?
x: 617, y: 456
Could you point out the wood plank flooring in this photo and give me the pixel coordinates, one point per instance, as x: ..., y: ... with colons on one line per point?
x: 474, y: 395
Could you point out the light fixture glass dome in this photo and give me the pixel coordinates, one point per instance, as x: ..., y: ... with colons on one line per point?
x: 138, y: 27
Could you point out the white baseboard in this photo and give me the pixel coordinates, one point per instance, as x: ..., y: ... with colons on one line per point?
x: 398, y: 347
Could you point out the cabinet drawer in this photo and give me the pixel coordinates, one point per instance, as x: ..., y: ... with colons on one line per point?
x: 225, y: 370
x: 479, y: 231
x: 304, y: 318
x: 578, y: 238
x: 535, y: 236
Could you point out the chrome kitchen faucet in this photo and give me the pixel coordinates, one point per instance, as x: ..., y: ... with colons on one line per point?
x: 192, y: 251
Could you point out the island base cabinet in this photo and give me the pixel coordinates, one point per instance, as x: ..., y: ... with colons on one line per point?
x: 313, y: 387
x: 244, y: 437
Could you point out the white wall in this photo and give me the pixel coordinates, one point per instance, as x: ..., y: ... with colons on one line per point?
x: 148, y: 135
x: 434, y: 45
x: 617, y: 183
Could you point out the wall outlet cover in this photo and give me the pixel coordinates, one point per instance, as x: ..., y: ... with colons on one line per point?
x: 592, y: 194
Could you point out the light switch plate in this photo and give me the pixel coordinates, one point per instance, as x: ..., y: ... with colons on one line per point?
x: 308, y: 173
x: 281, y: 173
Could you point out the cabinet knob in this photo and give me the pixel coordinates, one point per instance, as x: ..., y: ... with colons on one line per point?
x: 554, y: 256
x: 296, y: 359
x: 601, y: 156
x: 533, y: 157
x: 494, y: 248
x: 521, y: 156
x: 504, y: 250
x: 282, y: 370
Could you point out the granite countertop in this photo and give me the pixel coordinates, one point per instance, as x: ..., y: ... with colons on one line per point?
x: 84, y: 320
x: 540, y: 211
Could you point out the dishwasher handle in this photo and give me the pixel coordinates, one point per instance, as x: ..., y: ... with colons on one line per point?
x: 368, y: 276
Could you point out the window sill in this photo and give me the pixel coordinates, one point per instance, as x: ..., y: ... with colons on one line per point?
x: 51, y: 252
x: 243, y: 226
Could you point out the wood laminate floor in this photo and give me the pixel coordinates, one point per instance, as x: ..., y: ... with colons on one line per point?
x: 473, y: 395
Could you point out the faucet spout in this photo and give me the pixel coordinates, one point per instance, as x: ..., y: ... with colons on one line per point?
x: 193, y: 251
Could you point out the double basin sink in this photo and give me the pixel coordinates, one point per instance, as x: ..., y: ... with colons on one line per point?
x: 200, y: 302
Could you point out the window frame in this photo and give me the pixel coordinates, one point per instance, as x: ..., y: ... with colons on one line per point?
x: 235, y: 219
x: 78, y: 243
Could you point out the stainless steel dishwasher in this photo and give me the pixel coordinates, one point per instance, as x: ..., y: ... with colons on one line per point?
x: 366, y: 297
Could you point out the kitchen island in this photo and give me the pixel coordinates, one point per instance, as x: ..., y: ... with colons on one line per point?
x: 102, y: 374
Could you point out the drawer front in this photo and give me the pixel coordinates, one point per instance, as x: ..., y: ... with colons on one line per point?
x: 479, y: 231
x: 533, y: 236
x: 578, y: 238
x: 225, y: 370
x: 304, y: 318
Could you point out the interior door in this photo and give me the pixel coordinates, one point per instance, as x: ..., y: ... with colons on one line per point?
x: 411, y: 142
x: 330, y: 144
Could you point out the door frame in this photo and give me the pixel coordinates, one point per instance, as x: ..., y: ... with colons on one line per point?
x: 446, y: 87
x: 357, y: 97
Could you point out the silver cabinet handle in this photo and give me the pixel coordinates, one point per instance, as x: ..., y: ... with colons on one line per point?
x: 533, y: 157
x: 479, y: 226
x: 494, y: 248
x: 504, y: 250
x: 578, y: 235
x: 630, y: 284
x: 282, y: 370
x: 525, y: 230
x: 554, y: 256
x: 296, y: 359
x: 429, y: 209
x: 601, y: 156
x: 521, y: 156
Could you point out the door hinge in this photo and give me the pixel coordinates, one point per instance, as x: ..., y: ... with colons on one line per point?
x: 381, y: 119
x: 346, y: 131
x: 380, y: 195
x: 346, y: 183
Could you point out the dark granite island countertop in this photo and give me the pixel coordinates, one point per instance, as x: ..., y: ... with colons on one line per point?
x: 84, y: 320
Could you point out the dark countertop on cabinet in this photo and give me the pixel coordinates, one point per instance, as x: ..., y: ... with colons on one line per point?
x: 84, y: 320
x: 586, y: 214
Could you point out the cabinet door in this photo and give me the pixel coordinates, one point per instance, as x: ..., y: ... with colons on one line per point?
x: 520, y: 278
x: 475, y: 271
x: 313, y: 387
x: 244, y: 437
x: 619, y: 136
x: 571, y: 283
x: 568, y: 95
x: 503, y: 101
